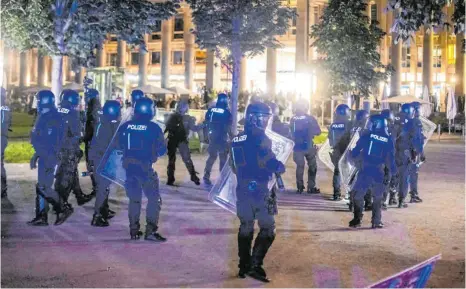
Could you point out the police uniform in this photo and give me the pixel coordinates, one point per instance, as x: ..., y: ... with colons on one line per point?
x: 339, y: 138
x: 178, y: 126
x: 304, y: 128
x: 67, y: 176
x: 94, y: 110
x: 142, y: 143
x: 6, y: 123
x: 103, y: 136
x: 46, y: 138
x: 376, y: 151
x: 218, y: 122
x: 253, y: 162
x: 414, y: 166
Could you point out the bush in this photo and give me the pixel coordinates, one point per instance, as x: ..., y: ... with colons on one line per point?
x: 18, y: 152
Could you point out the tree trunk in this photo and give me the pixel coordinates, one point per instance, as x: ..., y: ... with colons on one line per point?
x: 57, y: 76
x: 236, y: 53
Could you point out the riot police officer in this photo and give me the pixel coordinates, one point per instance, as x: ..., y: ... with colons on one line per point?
x: 360, y: 121
x: 178, y: 126
x: 6, y: 123
x: 376, y: 151
x: 136, y: 95
x: 142, y: 143
x: 408, y: 147
x: 390, y: 118
x: 304, y: 128
x: 414, y: 169
x: 254, y: 163
x: 46, y: 138
x: 103, y: 135
x: 339, y: 138
x: 218, y: 122
x: 67, y: 178
x: 94, y: 110
x: 277, y: 125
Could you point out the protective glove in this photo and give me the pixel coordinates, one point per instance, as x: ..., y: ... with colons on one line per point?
x: 280, y: 168
x: 33, y: 162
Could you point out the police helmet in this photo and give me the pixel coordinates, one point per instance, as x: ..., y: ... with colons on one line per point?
x: 257, y: 115
x: 417, y: 108
x: 45, y: 101
x: 388, y: 115
x: 2, y: 96
x: 378, y: 124
x: 408, y: 110
x: 222, y: 100
x: 69, y: 99
x: 136, y: 95
x: 342, y: 112
x: 144, y: 109
x: 112, y: 110
x: 362, y: 115
x: 91, y: 94
x: 182, y: 107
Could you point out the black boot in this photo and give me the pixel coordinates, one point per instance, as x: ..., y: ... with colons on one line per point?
x: 300, y: 190
x: 357, y: 220
x: 136, y: 235
x: 313, y: 191
x: 105, y: 210
x: 99, y: 221
x: 41, y: 218
x: 4, y: 187
x: 336, y: 195
x: 402, y: 204
x: 63, y: 213
x: 152, y: 235
x: 81, y: 198
x: 415, y: 198
x: 244, y: 254
x: 392, y: 201
x: 261, y: 246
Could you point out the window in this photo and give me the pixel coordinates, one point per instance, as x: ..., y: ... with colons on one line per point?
x: 156, y: 36
x: 316, y: 15
x: 177, y: 57
x: 112, y: 59
x: 134, y: 58
x: 201, y: 57
x: 374, y: 13
x: 437, y: 57
x: 155, y: 57
x: 178, y: 27
x: 451, y: 53
x: 158, y: 26
x: 113, y: 38
x: 420, y: 56
x: 406, y: 57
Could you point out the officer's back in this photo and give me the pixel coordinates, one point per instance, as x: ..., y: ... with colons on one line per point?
x: 47, y: 134
x: 71, y: 118
x: 340, y: 129
x: 141, y: 139
x: 304, y: 128
x: 219, y: 123
x: 108, y: 125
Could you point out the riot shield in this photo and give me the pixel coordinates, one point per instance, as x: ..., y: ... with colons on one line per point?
x: 324, y: 155
x: 348, y: 169
x: 428, y: 128
x: 223, y: 193
x: 111, y: 166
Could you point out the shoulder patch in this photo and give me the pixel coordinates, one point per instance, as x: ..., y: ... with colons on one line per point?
x: 136, y: 127
x: 63, y: 110
x: 379, y: 138
x: 218, y: 110
x: 338, y: 125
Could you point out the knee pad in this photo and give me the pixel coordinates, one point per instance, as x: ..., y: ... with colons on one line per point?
x: 246, y: 228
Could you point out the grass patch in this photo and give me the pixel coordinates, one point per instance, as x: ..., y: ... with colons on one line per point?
x: 21, y: 124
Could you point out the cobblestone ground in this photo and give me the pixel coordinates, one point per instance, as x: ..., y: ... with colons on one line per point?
x: 314, y: 247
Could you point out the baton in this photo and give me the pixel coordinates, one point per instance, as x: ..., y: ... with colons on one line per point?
x: 280, y: 184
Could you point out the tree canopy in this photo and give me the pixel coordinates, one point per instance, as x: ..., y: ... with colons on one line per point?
x: 411, y: 15
x: 349, y: 47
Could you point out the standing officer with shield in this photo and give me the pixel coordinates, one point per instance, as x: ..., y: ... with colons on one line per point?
x: 254, y: 163
x: 339, y: 137
x: 142, y: 143
x: 377, y: 152
x: 218, y: 121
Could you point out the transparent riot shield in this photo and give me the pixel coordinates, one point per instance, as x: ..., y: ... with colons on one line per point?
x: 111, y: 166
x: 223, y: 193
x: 324, y: 155
x: 428, y: 128
x: 348, y: 169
